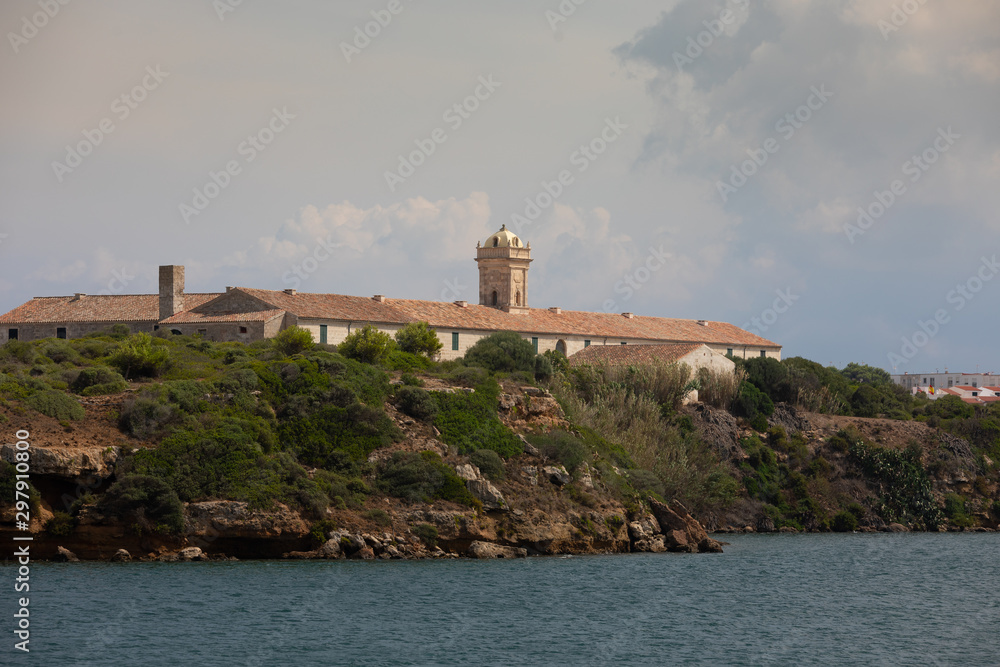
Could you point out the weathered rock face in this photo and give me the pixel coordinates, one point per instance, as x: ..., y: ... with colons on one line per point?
x: 121, y: 556
x: 490, y: 495
x: 68, y: 462
x: 230, y: 518
x: 64, y: 555
x: 557, y: 475
x: 719, y: 429
x: 532, y: 406
x: 680, y: 530
x: 644, y: 533
x: 486, y: 550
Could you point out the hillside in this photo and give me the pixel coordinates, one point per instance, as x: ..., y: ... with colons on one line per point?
x: 285, y: 448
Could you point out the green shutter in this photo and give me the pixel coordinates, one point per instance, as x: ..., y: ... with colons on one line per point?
x: 322, y: 334
x: 454, y: 340
x: 586, y: 343
x: 534, y: 342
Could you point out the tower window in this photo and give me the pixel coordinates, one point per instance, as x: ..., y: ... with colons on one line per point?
x: 517, y: 298
x: 496, y: 241
x: 495, y: 297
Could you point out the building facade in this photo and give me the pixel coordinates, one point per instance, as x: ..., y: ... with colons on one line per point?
x: 249, y: 314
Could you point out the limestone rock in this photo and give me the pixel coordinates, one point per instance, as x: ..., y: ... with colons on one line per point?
x: 487, y: 550
x: 234, y: 519
x: 528, y: 447
x: 191, y: 553
x: 121, y: 556
x: 557, y: 475
x: 64, y: 555
x: 531, y: 472
x: 468, y: 472
x: 584, y: 477
x: 329, y: 549
x: 490, y: 496
x: 681, y: 531
x: 68, y: 462
x: 898, y: 528
x: 363, y: 554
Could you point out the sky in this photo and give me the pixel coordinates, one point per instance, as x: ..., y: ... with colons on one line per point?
x: 825, y: 173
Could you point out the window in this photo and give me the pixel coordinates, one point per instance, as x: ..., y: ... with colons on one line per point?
x: 624, y: 343
x: 951, y: 382
x: 496, y: 241
x: 534, y: 343
x: 517, y: 298
x: 975, y: 384
x: 322, y: 334
x: 729, y: 351
x: 202, y: 332
x: 561, y: 347
x: 454, y: 340
x: 586, y: 343
x: 494, y: 297
x: 11, y: 334
x: 60, y: 332
x: 763, y: 353
x: 975, y: 393
x: 243, y: 330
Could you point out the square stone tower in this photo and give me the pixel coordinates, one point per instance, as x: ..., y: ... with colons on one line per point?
x: 171, y: 290
x: 503, y: 272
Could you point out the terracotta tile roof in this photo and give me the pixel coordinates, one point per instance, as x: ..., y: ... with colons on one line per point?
x: 989, y: 399
x: 949, y: 391
x: 95, y: 308
x: 994, y: 389
x: 973, y: 401
x: 443, y: 315
x: 965, y: 387
x: 632, y: 355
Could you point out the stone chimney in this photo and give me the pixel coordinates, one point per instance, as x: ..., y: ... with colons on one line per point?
x: 171, y: 290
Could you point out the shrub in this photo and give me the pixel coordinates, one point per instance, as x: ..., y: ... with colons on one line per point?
x: 56, y: 404
x: 367, y: 345
x: 97, y: 381
x: 18, y: 351
x: 145, y: 500
x: 411, y: 380
x: 60, y: 525
x: 139, y: 357
x: 543, y: 368
x: 489, y: 463
x: 60, y: 351
x: 143, y: 416
x: 560, y: 364
x: 293, y: 340
x: 955, y: 510
x: 719, y: 388
x: 379, y: 517
x: 470, y: 421
x: 417, y: 403
x: 468, y: 376
x: 318, y: 531
x: 427, y: 534
x: 397, y: 360
x: 504, y: 351
x: 423, y: 477
x: 418, y: 338
x: 561, y: 446
x: 844, y: 522
x: 752, y: 402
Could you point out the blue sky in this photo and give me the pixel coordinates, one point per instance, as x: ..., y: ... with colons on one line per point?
x: 732, y: 141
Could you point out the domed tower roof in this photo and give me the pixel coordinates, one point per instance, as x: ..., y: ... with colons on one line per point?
x: 503, y: 239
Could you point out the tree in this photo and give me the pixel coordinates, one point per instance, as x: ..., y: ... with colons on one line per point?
x: 368, y: 345
x: 504, y: 351
x: 138, y: 356
x: 293, y: 340
x: 860, y: 373
x: 418, y: 338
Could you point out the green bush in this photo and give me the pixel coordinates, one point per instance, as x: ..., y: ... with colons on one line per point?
x: 293, y: 340
x: 60, y: 525
x: 321, y: 437
x: 751, y: 402
x: 468, y: 376
x: 411, y: 380
x: 470, y: 421
x: 427, y: 534
x: 60, y: 351
x: 367, y: 345
x: 417, y: 403
x: 562, y: 446
x: 18, y: 351
x: 145, y: 500
x: 318, y: 531
x: 405, y: 361
x: 379, y: 517
x: 138, y: 356
x: 902, y: 478
x: 56, y: 404
x: 955, y: 510
x: 418, y: 338
x: 144, y: 416
x: 560, y: 364
x: 543, y: 368
x: 489, y: 463
x: 844, y: 522
x: 504, y: 351
x: 98, y: 381
x: 422, y: 477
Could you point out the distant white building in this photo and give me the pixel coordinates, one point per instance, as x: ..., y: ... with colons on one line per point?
x: 975, y: 388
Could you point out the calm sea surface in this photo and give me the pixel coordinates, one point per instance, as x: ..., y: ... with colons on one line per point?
x: 907, y: 599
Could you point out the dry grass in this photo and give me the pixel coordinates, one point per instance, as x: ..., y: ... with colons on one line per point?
x: 719, y: 388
